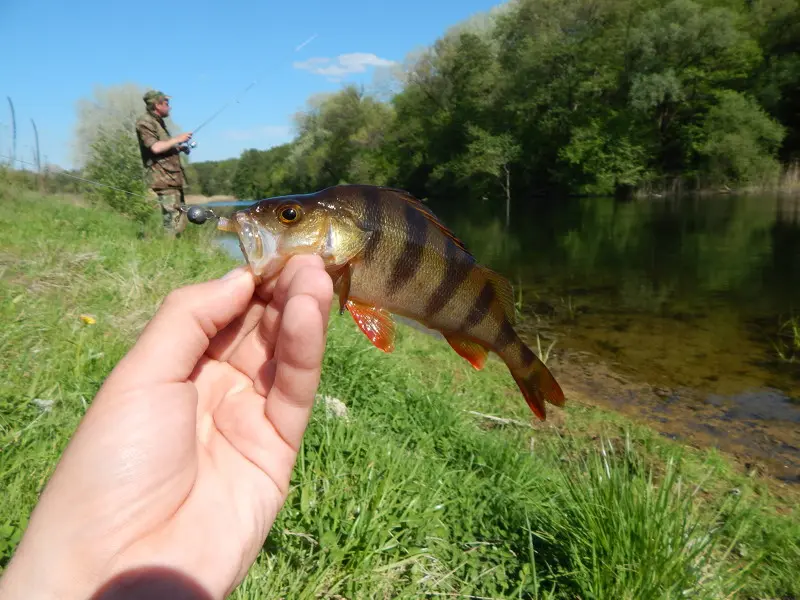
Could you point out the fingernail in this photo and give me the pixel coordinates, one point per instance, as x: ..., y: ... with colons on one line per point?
x: 237, y: 272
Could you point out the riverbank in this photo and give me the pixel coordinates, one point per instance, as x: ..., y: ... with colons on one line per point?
x: 670, y: 313
x: 420, y: 489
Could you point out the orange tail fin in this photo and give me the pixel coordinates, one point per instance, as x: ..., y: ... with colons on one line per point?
x: 538, y: 385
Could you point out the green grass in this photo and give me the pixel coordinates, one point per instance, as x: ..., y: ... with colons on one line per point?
x: 410, y: 496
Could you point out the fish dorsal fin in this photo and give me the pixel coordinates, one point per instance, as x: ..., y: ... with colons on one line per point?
x: 503, y: 291
x: 428, y: 214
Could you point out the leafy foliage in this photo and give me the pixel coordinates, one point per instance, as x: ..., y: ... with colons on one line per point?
x: 543, y: 97
x: 115, y: 163
x: 740, y: 140
x: 211, y: 178
x: 579, y: 97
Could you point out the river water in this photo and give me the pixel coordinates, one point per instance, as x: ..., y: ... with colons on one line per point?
x: 672, y: 307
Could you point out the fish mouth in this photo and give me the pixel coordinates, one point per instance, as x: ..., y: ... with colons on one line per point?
x: 258, y: 245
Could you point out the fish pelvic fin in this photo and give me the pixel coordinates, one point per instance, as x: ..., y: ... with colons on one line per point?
x: 503, y: 292
x: 341, y: 284
x: 472, y: 351
x: 536, y: 382
x: 375, y: 323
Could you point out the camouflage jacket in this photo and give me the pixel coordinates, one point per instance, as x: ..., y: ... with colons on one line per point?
x: 163, y: 170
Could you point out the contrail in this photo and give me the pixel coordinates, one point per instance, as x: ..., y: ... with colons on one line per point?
x: 308, y: 41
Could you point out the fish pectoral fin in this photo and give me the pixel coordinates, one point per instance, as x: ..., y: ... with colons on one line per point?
x: 474, y: 352
x: 376, y: 323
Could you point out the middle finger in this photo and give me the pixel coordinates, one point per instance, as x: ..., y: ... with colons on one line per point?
x: 258, y: 346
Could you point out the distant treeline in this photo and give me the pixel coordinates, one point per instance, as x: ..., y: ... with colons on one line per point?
x: 554, y: 96
x: 559, y: 97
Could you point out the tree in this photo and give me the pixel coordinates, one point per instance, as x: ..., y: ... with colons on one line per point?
x: 341, y: 140
x: 111, y: 108
x: 212, y: 178
x: 114, y: 162
x: 567, y: 97
x: 485, y: 164
x: 739, y: 140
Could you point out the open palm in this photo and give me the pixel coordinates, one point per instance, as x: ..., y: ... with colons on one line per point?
x: 183, y: 461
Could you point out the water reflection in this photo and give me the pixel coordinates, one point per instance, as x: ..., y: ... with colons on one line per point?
x: 684, y: 292
x: 680, y: 293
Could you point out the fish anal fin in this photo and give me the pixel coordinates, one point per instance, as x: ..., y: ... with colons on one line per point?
x: 474, y: 352
x: 375, y: 323
x: 503, y: 291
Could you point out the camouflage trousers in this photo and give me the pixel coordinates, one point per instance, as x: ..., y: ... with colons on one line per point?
x: 171, y: 201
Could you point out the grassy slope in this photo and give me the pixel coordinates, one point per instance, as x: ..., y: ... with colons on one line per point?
x: 411, y: 495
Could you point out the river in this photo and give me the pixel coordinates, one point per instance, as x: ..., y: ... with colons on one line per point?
x: 668, y: 310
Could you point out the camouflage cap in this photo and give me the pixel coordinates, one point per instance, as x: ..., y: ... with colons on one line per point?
x: 153, y: 96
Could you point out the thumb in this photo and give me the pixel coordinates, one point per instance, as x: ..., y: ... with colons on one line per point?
x: 179, y: 333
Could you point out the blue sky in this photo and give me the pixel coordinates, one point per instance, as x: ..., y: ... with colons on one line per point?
x: 203, y: 54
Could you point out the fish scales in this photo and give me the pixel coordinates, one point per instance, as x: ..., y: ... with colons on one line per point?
x: 414, y: 253
x: 388, y: 279
x: 388, y: 254
x: 414, y: 269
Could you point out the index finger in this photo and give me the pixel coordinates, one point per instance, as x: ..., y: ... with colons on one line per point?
x: 253, y: 344
x: 182, y: 328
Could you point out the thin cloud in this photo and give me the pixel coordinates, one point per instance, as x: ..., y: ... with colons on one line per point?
x: 264, y: 132
x: 344, y: 64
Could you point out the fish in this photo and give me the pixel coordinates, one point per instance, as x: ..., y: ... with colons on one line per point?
x: 389, y: 255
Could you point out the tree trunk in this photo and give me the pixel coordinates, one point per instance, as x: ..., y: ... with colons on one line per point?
x: 508, y: 194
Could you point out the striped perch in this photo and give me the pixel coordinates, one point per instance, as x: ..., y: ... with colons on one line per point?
x: 387, y: 253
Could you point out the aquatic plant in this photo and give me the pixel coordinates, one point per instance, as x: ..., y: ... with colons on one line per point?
x: 787, y: 345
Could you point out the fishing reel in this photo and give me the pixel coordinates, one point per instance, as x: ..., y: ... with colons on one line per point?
x: 187, y: 146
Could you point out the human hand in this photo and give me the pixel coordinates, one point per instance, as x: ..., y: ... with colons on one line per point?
x: 183, y: 137
x: 184, y: 457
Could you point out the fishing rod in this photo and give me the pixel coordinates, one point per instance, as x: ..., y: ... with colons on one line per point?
x: 186, y: 146
x: 196, y: 213
x: 65, y: 174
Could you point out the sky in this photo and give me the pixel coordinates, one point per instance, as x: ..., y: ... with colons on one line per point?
x: 203, y: 54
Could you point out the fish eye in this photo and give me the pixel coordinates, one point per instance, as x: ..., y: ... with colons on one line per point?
x: 289, y: 214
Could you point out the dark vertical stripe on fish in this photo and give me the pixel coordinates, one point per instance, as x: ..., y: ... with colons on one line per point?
x: 457, y: 268
x: 416, y: 234
x: 528, y: 357
x: 480, y: 308
x: 372, y: 222
x: 505, y: 336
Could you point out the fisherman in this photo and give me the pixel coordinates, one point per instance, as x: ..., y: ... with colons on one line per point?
x: 161, y: 158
